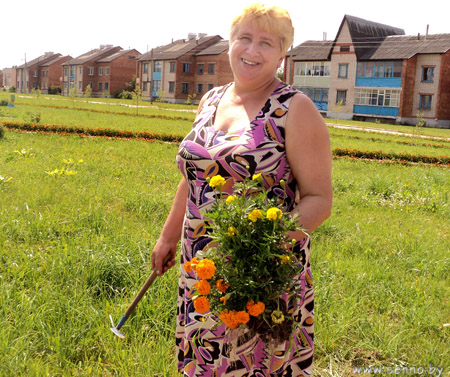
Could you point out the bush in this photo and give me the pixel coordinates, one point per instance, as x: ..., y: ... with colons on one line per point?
x: 54, y: 89
x: 4, y: 102
x: 2, y: 132
x: 12, y: 89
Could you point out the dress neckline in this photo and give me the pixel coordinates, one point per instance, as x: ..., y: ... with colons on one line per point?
x: 217, y: 100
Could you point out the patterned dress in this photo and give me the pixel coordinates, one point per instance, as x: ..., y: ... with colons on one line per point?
x: 203, y: 348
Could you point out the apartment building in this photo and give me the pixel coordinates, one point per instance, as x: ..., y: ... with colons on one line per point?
x: 105, y: 70
x: 28, y: 75
x: 173, y: 69
x: 51, y: 73
x: 373, y: 71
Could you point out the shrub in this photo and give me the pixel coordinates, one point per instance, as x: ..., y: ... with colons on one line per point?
x: 4, y: 102
x: 54, y: 89
x: 12, y: 89
x: 2, y: 132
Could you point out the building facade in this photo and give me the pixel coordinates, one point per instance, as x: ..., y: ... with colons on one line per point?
x: 105, y: 70
x: 184, y: 69
x: 373, y: 71
x: 51, y: 73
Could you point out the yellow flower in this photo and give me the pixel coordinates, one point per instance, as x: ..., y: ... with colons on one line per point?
x: 255, y: 215
x: 285, y: 259
x: 216, y: 181
x: 256, y: 177
x: 274, y: 213
x: 277, y: 316
x: 230, y: 199
x: 231, y: 231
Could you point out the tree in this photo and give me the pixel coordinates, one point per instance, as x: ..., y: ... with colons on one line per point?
x: 88, y: 91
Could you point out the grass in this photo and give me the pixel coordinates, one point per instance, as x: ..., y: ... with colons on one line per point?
x: 75, y: 247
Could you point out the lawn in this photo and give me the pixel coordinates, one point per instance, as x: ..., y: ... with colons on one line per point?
x: 79, y: 217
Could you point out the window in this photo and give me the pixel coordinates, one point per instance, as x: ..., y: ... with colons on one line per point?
x: 341, y: 97
x: 343, y: 71
x: 186, y: 67
x: 43, y: 73
x: 66, y: 71
x: 345, y: 48
x: 199, y: 88
x: 90, y: 71
x: 100, y: 71
x: 81, y: 70
x: 172, y: 67
x: 211, y: 68
x: 379, y: 69
x: 377, y: 97
x: 106, y: 85
x: 200, y: 68
x: 316, y: 94
x: 107, y: 71
x: 210, y: 87
x: 185, y: 88
x: 312, y: 69
x: 425, y: 101
x: 91, y: 85
x: 100, y: 86
x: 171, y: 86
x: 35, y: 73
x: 145, y: 68
x: 157, y: 64
x: 156, y: 86
x: 145, y: 86
x: 427, y: 74
x: 79, y: 85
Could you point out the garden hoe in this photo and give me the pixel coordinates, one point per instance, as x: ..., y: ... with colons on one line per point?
x: 145, y: 287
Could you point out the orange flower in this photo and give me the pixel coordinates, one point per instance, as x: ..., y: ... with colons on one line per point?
x: 221, y: 286
x: 242, y: 317
x: 205, y: 269
x: 203, y: 287
x: 187, y: 266
x: 223, y: 300
x: 255, y: 309
x: 201, y: 304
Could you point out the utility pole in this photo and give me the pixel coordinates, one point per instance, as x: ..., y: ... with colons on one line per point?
x: 151, y: 77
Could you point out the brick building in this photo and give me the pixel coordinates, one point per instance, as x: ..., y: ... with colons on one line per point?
x: 106, y: 70
x: 28, y: 75
x: 373, y: 71
x: 51, y: 73
x: 174, y: 68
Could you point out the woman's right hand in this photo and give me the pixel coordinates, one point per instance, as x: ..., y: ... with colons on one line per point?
x: 160, y: 251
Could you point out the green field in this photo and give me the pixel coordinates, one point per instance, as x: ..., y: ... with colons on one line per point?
x: 79, y: 217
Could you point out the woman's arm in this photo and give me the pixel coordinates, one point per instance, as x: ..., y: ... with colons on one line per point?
x: 309, y: 155
x: 171, y: 231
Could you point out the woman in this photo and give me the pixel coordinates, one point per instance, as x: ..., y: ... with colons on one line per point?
x: 260, y: 122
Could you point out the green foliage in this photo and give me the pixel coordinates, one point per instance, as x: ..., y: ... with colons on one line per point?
x: 37, y: 92
x: 4, y: 102
x: 87, y: 91
x: 190, y: 97
x: 54, y: 89
x: 12, y: 89
x: 161, y: 96
x: 2, y: 132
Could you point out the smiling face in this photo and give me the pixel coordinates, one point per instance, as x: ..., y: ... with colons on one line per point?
x: 255, y: 55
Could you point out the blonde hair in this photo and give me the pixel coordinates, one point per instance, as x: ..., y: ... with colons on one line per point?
x: 270, y: 18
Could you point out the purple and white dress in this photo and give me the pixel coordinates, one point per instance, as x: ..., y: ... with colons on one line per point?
x: 202, y: 348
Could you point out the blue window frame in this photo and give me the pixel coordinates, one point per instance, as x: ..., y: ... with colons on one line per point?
x: 427, y: 74
x: 343, y: 71
x: 425, y: 101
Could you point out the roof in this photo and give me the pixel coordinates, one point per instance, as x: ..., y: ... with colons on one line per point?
x: 312, y: 50
x: 53, y: 61
x: 118, y: 54
x: 215, y: 49
x: 367, y: 35
x: 175, y: 49
x: 90, y: 55
x: 43, y: 58
x: 405, y: 47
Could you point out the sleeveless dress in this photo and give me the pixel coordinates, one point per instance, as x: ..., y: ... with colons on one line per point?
x: 202, y: 346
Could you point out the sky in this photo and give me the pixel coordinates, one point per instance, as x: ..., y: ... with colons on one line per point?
x: 31, y: 28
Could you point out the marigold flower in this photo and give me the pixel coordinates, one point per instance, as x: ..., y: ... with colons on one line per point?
x: 230, y: 319
x: 223, y: 299
x: 203, y: 287
x: 205, y: 269
x: 274, y: 213
x: 242, y: 317
x: 221, y: 286
x: 255, y: 215
x: 285, y: 259
x: 230, y: 199
x: 277, y: 316
x: 187, y: 266
x: 201, y: 304
x: 255, y: 309
x: 216, y: 181
x: 194, y: 262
